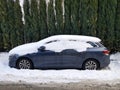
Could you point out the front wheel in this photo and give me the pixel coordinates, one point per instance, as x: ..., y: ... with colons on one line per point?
x: 90, y: 64
x: 24, y: 63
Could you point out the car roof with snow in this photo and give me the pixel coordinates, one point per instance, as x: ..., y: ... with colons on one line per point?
x: 72, y: 38
x: 64, y: 43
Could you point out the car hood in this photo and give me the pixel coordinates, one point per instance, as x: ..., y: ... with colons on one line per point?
x: 25, y: 49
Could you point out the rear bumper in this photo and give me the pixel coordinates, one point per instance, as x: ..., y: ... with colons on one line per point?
x: 105, y: 61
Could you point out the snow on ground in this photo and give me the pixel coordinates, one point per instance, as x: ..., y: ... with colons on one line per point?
x: 8, y: 74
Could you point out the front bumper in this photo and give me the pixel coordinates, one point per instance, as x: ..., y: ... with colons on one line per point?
x: 13, y: 60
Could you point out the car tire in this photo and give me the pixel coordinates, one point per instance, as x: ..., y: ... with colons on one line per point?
x: 90, y: 64
x: 24, y: 63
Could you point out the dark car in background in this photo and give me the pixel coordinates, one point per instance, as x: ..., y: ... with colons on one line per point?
x: 59, y: 52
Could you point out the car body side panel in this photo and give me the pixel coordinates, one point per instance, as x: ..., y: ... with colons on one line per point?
x: 46, y: 59
x: 67, y: 59
x: 71, y: 59
x: 104, y: 60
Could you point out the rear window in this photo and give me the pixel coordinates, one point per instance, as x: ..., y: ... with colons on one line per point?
x: 95, y: 44
x: 99, y: 44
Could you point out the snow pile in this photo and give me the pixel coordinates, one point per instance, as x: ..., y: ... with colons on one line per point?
x: 4, y: 60
x: 116, y: 61
x: 115, y: 56
x: 8, y: 74
x: 76, y: 42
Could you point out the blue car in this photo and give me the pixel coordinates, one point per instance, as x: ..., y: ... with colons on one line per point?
x: 61, y: 52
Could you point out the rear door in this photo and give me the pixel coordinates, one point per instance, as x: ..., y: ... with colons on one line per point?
x: 71, y: 58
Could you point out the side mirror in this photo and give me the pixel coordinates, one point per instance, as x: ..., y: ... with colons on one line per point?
x: 42, y: 48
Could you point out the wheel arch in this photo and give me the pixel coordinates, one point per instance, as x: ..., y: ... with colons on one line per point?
x: 23, y: 57
x: 97, y: 61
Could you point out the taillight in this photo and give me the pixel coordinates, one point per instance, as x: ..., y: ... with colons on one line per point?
x: 106, y: 52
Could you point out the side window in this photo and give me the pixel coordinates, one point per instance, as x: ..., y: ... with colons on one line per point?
x: 99, y: 44
x: 72, y: 51
x: 72, y: 40
x: 52, y: 41
x: 54, y: 45
x: 92, y: 44
x: 95, y: 44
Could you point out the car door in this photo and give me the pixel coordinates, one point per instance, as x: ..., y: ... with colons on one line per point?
x: 48, y: 58
x: 71, y: 58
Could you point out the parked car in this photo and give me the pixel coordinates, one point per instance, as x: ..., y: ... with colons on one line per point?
x: 59, y: 52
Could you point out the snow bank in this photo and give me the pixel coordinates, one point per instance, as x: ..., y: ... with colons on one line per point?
x: 76, y: 42
x: 58, y: 76
x: 115, y: 57
x: 116, y: 61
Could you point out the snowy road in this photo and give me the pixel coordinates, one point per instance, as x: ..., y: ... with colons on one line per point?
x: 8, y: 74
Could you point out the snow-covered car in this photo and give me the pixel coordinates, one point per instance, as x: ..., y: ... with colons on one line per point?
x: 61, y: 51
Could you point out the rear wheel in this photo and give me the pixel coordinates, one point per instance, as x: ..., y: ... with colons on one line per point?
x: 90, y: 64
x: 24, y: 63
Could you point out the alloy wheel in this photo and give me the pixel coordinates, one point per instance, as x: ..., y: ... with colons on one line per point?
x: 90, y: 65
x: 24, y: 64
